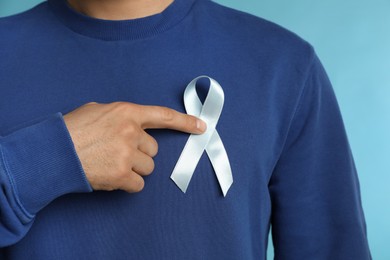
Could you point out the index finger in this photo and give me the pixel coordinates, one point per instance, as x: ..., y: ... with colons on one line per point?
x: 164, y: 117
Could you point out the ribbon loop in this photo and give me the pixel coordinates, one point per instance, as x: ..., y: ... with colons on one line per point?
x: 209, y: 141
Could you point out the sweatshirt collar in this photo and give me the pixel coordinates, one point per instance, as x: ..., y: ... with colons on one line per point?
x: 114, y: 30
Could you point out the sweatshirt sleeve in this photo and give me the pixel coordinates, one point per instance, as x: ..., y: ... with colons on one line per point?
x: 316, y: 205
x: 38, y: 163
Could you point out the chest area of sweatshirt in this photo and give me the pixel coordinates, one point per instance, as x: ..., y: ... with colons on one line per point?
x: 250, y: 126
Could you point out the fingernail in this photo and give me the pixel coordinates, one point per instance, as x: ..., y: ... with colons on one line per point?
x: 201, y: 125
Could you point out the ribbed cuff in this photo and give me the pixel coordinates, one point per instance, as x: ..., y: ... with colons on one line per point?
x: 42, y: 164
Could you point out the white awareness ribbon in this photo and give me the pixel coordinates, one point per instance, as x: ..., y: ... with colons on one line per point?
x: 210, y: 140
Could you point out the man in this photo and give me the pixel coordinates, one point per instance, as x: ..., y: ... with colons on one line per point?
x: 86, y: 87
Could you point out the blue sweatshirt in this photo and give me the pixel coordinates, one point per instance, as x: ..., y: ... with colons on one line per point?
x: 281, y: 127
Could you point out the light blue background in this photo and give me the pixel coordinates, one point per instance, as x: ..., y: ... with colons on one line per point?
x: 352, y: 38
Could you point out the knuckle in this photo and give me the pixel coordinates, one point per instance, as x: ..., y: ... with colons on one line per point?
x: 130, y: 130
x: 154, y: 149
x: 167, y: 114
x: 119, y: 104
x: 150, y: 166
x: 138, y: 184
x: 123, y: 169
x: 123, y: 108
x: 127, y: 155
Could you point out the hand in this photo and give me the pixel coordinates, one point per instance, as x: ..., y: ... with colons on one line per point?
x: 110, y: 141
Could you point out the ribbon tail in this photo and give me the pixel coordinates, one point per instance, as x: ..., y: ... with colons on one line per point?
x: 188, y: 160
x: 181, y: 181
x: 220, y: 161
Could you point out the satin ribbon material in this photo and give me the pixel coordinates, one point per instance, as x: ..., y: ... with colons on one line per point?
x: 210, y: 140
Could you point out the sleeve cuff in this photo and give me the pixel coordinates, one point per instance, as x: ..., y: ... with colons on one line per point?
x: 42, y: 163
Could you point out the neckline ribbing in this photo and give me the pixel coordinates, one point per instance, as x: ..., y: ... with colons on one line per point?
x: 115, y: 30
